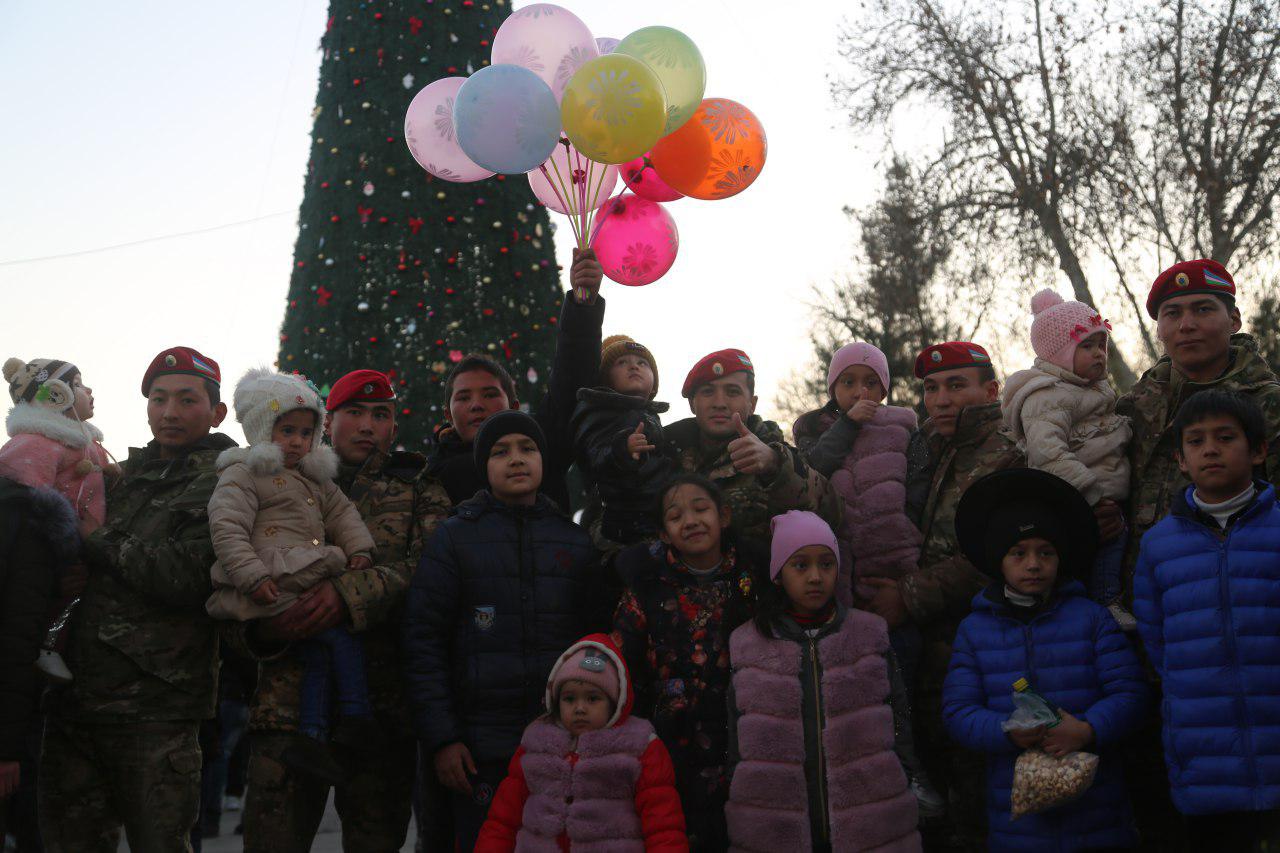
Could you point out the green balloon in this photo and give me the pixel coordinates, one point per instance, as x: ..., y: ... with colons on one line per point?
x: 677, y: 62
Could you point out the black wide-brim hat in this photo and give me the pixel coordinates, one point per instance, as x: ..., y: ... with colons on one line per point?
x: 1008, y: 506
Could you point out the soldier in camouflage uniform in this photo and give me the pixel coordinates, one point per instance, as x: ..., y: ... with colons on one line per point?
x: 401, y: 506
x: 1198, y: 323
x: 759, y: 473
x: 120, y: 746
x: 962, y: 441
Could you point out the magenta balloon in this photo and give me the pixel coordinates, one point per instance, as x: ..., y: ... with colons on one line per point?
x: 550, y: 41
x: 643, y: 180
x: 432, y: 139
x: 635, y: 240
x: 569, y: 172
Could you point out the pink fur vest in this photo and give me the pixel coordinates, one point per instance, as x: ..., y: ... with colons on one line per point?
x: 592, y: 799
x: 869, y: 805
x: 872, y: 483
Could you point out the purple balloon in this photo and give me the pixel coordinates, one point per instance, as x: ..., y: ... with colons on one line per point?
x: 635, y: 240
x: 550, y: 41
x: 432, y: 138
x: 606, y: 45
x: 569, y: 172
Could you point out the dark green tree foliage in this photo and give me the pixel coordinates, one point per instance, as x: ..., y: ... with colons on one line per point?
x: 396, y: 270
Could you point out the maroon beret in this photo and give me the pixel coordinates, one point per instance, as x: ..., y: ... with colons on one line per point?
x: 714, y: 366
x: 950, y: 356
x: 181, y: 360
x: 360, y: 386
x: 1200, y: 276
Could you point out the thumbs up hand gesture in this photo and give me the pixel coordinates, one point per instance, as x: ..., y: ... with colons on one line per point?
x: 638, y: 443
x: 749, y: 454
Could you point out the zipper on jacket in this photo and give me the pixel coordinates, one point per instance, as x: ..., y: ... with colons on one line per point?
x: 822, y: 753
x: 1224, y: 597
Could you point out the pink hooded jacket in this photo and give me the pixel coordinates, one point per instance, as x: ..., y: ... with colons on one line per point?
x: 49, y: 450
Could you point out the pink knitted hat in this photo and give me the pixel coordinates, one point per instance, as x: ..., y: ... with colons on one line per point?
x: 858, y: 353
x: 1059, y: 327
x: 589, y: 662
x: 794, y: 530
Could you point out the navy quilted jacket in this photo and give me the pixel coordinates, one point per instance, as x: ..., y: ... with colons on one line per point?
x: 1208, y: 608
x: 1074, y: 655
x: 499, y: 593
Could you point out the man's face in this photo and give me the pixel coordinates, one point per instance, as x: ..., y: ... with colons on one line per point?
x: 715, y: 403
x: 1216, y: 456
x: 948, y: 391
x: 1196, y: 330
x: 179, y: 412
x: 477, y: 394
x: 358, y: 429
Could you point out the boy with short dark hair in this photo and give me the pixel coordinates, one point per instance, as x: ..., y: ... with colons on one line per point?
x: 1207, y: 599
x: 503, y: 587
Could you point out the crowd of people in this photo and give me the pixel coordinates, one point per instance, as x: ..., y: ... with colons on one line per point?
x: 744, y: 642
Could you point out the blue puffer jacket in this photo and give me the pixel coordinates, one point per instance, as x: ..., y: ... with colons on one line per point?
x: 1208, y: 607
x: 1074, y: 655
x: 499, y: 593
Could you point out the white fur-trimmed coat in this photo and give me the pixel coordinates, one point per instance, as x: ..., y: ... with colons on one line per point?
x: 293, y: 526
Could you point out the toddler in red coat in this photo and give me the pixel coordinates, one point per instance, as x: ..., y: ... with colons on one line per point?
x: 587, y: 774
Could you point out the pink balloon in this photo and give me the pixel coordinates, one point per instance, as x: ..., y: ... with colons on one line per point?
x: 570, y: 172
x: 635, y: 240
x: 550, y: 41
x: 429, y: 131
x: 644, y: 181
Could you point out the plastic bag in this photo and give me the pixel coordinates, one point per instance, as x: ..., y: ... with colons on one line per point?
x: 1029, y: 712
x: 1041, y: 781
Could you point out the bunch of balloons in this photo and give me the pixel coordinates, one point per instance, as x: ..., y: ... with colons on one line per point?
x: 575, y: 113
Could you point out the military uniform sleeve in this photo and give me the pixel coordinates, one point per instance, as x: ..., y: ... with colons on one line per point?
x: 343, y: 525
x: 372, y: 595
x: 1047, y: 424
x: 174, y: 571
x: 943, y: 589
x: 800, y: 486
x: 434, y: 599
x: 233, y: 507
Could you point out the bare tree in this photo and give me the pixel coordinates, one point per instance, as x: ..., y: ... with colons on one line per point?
x: 1006, y: 77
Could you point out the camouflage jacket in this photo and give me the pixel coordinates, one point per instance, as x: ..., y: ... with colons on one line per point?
x: 753, y: 500
x: 141, y: 646
x: 401, y: 505
x: 938, y: 594
x: 1152, y: 404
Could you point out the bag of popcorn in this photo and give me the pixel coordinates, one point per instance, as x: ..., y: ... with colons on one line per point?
x: 1041, y: 781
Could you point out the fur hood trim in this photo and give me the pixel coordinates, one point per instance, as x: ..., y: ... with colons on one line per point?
x: 41, y: 420
x: 320, y: 465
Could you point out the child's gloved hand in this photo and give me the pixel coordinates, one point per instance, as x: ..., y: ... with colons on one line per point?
x: 359, y: 563
x: 862, y: 411
x: 265, y: 593
x: 638, y: 443
x: 1069, y: 735
x: 1026, y: 738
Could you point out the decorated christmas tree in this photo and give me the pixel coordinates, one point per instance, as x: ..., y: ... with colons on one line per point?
x: 396, y: 270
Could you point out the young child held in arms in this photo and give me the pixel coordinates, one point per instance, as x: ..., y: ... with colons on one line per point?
x: 685, y: 595
x: 587, y: 774
x: 1034, y: 535
x: 815, y: 704
x: 52, y: 446
x: 1206, y: 591
x: 279, y: 526
x: 1063, y: 410
x: 617, y: 439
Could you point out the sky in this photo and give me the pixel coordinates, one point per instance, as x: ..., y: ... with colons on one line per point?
x: 185, y: 135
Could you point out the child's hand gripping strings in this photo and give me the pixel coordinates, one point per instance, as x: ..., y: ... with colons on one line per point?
x: 638, y: 443
x: 265, y: 593
x: 749, y: 454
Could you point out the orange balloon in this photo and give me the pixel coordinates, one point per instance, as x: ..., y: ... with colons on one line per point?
x: 717, y: 153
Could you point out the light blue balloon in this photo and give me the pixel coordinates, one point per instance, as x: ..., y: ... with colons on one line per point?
x: 507, y: 119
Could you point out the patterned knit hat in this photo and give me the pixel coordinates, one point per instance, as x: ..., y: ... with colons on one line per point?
x: 615, y: 347
x: 42, y: 381
x: 263, y: 396
x: 596, y: 660
x: 1059, y: 327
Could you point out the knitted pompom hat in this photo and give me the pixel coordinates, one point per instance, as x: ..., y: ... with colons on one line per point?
x: 262, y: 396
x: 41, y: 382
x: 615, y: 347
x: 1059, y: 327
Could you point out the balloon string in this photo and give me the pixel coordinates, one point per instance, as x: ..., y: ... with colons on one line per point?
x: 567, y: 201
x: 582, y: 191
x: 560, y: 199
x: 595, y: 197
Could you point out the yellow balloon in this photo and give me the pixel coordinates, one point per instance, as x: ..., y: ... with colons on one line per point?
x: 614, y: 109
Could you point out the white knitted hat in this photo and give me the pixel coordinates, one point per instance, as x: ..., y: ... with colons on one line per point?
x: 262, y: 396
